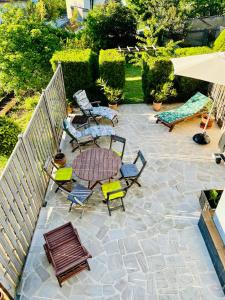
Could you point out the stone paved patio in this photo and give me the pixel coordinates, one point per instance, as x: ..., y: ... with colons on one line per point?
x: 154, y: 250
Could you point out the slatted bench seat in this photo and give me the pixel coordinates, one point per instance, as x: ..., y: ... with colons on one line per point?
x: 65, y: 252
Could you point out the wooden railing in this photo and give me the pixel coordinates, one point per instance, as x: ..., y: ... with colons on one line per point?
x: 217, y: 93
x: 23, y: 184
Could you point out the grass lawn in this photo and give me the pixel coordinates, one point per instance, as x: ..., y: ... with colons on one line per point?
x: 133, y: 85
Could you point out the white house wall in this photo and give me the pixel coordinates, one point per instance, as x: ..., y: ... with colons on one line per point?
x: 80, y: 4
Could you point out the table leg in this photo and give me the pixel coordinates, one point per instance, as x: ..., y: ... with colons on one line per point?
x: 91, y: 187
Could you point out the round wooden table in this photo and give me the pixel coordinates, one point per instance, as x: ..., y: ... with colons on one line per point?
x: 96, y: 164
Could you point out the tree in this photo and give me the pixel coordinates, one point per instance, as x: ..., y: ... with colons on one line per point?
x: 161, y: 17
x: 110, y: 25
x: 26, y: 47
x: 52, y: 9
x: 202, y: 8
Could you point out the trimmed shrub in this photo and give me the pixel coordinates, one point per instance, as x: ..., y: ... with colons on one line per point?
x: 219, y: 44
x: 31, y: 102
x: 112, y: 68
x: 8, y: 135
x: 79, y: 69
x: 156, y: 72
x: 192, y: 51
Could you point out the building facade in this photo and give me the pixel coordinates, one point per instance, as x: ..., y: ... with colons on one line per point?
x: 83, y: 6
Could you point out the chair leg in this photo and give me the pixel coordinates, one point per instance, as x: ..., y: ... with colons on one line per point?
x: 107, y: 202
x: 70, y: 206
x: 57, y: 190
x: 82, y: 213
x: 75, y: 148
x: 122, y: 204
x: 89, y: 269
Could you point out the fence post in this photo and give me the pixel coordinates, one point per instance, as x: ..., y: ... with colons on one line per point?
x: 51, y: 121
x: 63, y: 86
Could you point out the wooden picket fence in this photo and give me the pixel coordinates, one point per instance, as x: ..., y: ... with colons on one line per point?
x: 217, y: 93
x: 23, y: 184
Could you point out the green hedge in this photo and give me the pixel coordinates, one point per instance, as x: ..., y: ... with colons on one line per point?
x: 160, y: 69
x: 156, y: 71
x: 112, y: 68
x: 8, y: 135
x: 219, y: 44
x: 79, y: 69
x: 192, y: 51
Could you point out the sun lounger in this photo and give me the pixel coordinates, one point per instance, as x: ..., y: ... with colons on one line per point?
x: 195, y: 106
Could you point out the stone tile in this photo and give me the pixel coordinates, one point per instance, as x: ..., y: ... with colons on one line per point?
x: 153, y: 250
x: 131, y: 245
x: 156, y: 263
x: 150, y: 246
x: 130, y: 262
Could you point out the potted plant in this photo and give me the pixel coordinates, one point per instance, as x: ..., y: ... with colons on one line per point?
x: 206, y: 115
x: 114, y: 96
x: 210, y: 198
x: 60, y: 159
x: 1, y: 295
x: 161, y: 93
x: 204, y: 120
x: 69, y: 107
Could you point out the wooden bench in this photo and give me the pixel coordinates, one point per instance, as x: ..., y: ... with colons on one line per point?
x: 65, y: 252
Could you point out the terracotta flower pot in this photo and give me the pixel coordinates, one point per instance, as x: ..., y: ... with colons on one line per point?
x: 157, y: 106
x: 60, y: 159
x: 113, y: 106
x: 204, y: 121
x: 69, y: 109
x: 2, y: 296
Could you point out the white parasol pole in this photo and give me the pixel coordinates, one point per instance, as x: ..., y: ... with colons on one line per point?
x: 210, y: 113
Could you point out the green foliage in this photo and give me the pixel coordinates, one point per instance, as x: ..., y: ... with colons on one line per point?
x: 109, y: 26
x: 113, y: 95
x: 157, y: 79
x: 112, y: 68
x: 187, y: 87
x: 8, y: 135
x: 192, y: 51
x: 26, y: 46
x: 145, y: 9
x: 162, y: 18
x: 78, y: 69
x: 31, y: 102
x: 51, y: 9
x: 219, y: 44
x: 3, y: 161
x: 201, y: 8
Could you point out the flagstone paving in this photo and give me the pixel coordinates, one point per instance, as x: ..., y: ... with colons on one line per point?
x: 153, y: 250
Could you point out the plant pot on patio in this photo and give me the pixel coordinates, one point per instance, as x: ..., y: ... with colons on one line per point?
x: 209, y: 199
x: 157, y: 106
x: 204, y: 121
x: 2, y: 297
x: 60, y: 159
x: 113, y: 106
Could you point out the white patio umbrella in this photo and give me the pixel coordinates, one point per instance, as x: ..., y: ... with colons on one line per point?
x: 207, y: 67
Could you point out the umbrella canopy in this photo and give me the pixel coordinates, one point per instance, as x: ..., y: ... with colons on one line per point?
x: 207, y: 67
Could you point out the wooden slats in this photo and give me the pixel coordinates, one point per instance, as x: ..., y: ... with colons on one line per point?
x: 68, y: 256
x: 217, y: 93
x: 23, y: 183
